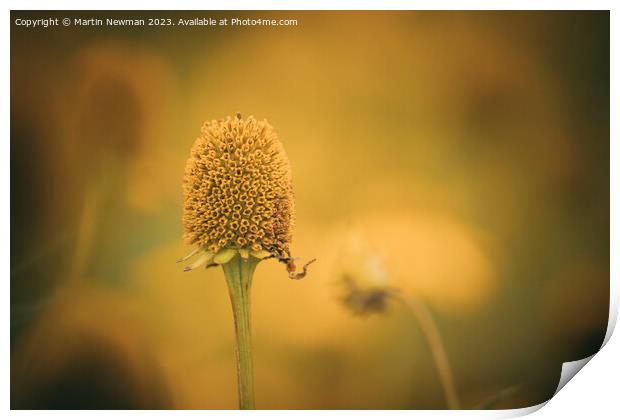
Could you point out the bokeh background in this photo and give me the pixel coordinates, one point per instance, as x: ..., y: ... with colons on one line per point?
x: 469, y: 151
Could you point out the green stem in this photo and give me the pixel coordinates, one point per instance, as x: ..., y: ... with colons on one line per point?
x: 433, y: 338
x: 239, y: 272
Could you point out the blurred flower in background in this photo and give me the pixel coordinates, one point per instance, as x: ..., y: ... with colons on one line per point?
x: 366, y: 280
x: 364, y: 277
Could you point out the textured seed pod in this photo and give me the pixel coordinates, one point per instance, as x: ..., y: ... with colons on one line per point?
x: 237, y: 191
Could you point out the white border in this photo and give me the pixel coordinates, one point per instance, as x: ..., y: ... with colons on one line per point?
x: 594, y: 394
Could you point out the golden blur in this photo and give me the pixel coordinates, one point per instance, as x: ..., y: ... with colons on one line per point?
x: 467, y: 152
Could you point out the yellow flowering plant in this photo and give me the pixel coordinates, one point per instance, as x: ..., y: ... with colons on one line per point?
x: 238, y: 210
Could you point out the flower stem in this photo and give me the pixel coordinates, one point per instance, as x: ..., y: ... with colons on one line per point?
x: 433, y: 338
x: 239, y: 272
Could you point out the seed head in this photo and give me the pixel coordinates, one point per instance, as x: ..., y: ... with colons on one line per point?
x: 364, y: 293
x: 364, y: 277
x: 237, y: 192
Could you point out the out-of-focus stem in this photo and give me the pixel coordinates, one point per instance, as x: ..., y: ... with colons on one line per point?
x: 431, y: 333
x: 239, y: 272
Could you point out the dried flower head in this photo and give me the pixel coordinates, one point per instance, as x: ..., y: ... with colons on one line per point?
x: 238, y: 195
x: 364, y: 277
x: 361, y: 296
